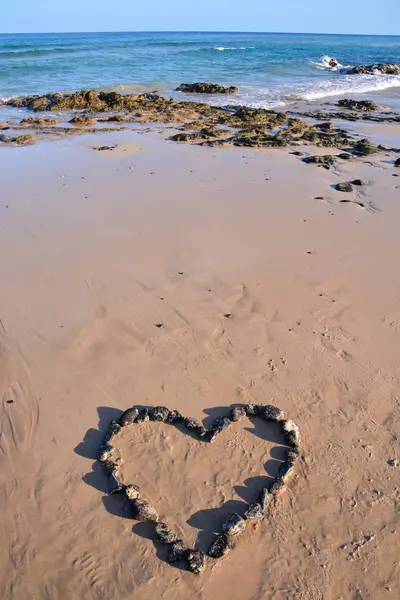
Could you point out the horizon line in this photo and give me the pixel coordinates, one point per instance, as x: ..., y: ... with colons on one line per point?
x: 198, y: 31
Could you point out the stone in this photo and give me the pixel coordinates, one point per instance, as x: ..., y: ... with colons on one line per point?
x: 132, y: 492
x: 255, y: 512
x: 175, y: 417
x: 343, y: 187
x: 357, y: 182
x: 271, y: 413
x: 264, y: 498
x: 159, y: 414
x: 221, y: 424
x: 288, y: 426
x: 292, y: 456
x: 364, y: 147
x: 82, y: 120
x: 104, y: 453
x: 143, y: 415
x: 196, y: 561
x: 129, y: 417
x: 366, y: 105
x: 206, y: 88
x: 286, y: 470
x: 252, y: 410
x: 233, y: 524
x: 278, y: 486
x: 196, y: 427
x: 143, y: 511
x: 178, y: 552
x: 113, y: 430
x: 325, y: 161
x: 38, y: 122
x: 220, y: 546
x: 165, y: 534
x: 237, y: 413
x: 293, y: 439
x: 393, y: 462
x: 344, y: 156
x: 115, y: 485
x: 19, y: 140
x: 397, y: 163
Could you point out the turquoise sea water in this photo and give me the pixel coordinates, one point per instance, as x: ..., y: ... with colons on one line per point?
x: 269, y: 69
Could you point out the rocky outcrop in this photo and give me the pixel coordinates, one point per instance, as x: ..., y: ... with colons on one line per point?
x: 381, y: 68
x: 206, y: 88
x: 367, y: 105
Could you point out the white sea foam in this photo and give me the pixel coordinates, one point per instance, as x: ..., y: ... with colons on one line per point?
x: 324, y: 64
x: 223, y: 49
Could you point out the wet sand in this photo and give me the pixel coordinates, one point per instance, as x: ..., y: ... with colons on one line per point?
x: 96, y: 249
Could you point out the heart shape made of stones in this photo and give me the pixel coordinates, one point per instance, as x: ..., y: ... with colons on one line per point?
x: 234, y: 524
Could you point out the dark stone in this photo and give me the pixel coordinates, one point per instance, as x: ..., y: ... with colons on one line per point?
x: 178, y: 552
x: 252, y: 410
x: 114, y: 483
x: 143, y: 511
x: 292, y: 456
x: 271, y: 413
x: 333, y: 63
x: 397, y: 163
x: 366, y: 105
x: 220, y: 546
x: 322, y: 161
x: 196, y: 427
x: 196, y: 561
x: 132, y: 492
x: 264, y: 498
x: 129, y: 417
x: 255, y: 512
x: 212, y: 435
x: 358, y: 182
x: 159, y: 414
x: 286, y: 469
x: 143, y: 415
x: 364, y: 147
x: 104, y: 453
x: 237, y: 413
x: 113, y: 429
x: 233, y: 524
x: 344, y: 156
x: 175, y: 417
x: 278, y: 486
x: 382, y: 68
x: 221, y: 424
x: 343, y: 187
x: 206, y: 88
x: 165, y: 534
x: 297, y: 153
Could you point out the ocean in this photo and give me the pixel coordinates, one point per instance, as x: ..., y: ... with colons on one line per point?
x: 270, y: 69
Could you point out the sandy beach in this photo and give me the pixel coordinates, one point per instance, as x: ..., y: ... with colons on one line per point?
x: 196, y: 278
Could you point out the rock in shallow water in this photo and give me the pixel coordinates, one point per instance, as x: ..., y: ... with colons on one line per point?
x: 143, y: 511
x: 233, y: 524
x: 220, y: 546
x: 129, y: 417
x: 165, y: 534
x: 206, y: 88
x: 255, y: 512
x: 196, y: 561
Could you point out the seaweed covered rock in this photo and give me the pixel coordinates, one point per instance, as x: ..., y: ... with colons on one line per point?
x: 367, y: 105
x: 364, y: 147
x: 83, y: 121
x: 376, y: 69
x: 325, y: 161
x: 38, y: 122
x: 220, y: 546
x: 206, y: 88
x: 19, y: 140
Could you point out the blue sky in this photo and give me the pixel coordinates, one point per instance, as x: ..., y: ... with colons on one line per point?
x: 314, y: 16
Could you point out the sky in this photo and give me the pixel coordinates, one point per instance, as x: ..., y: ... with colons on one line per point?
x: 308, y: 16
